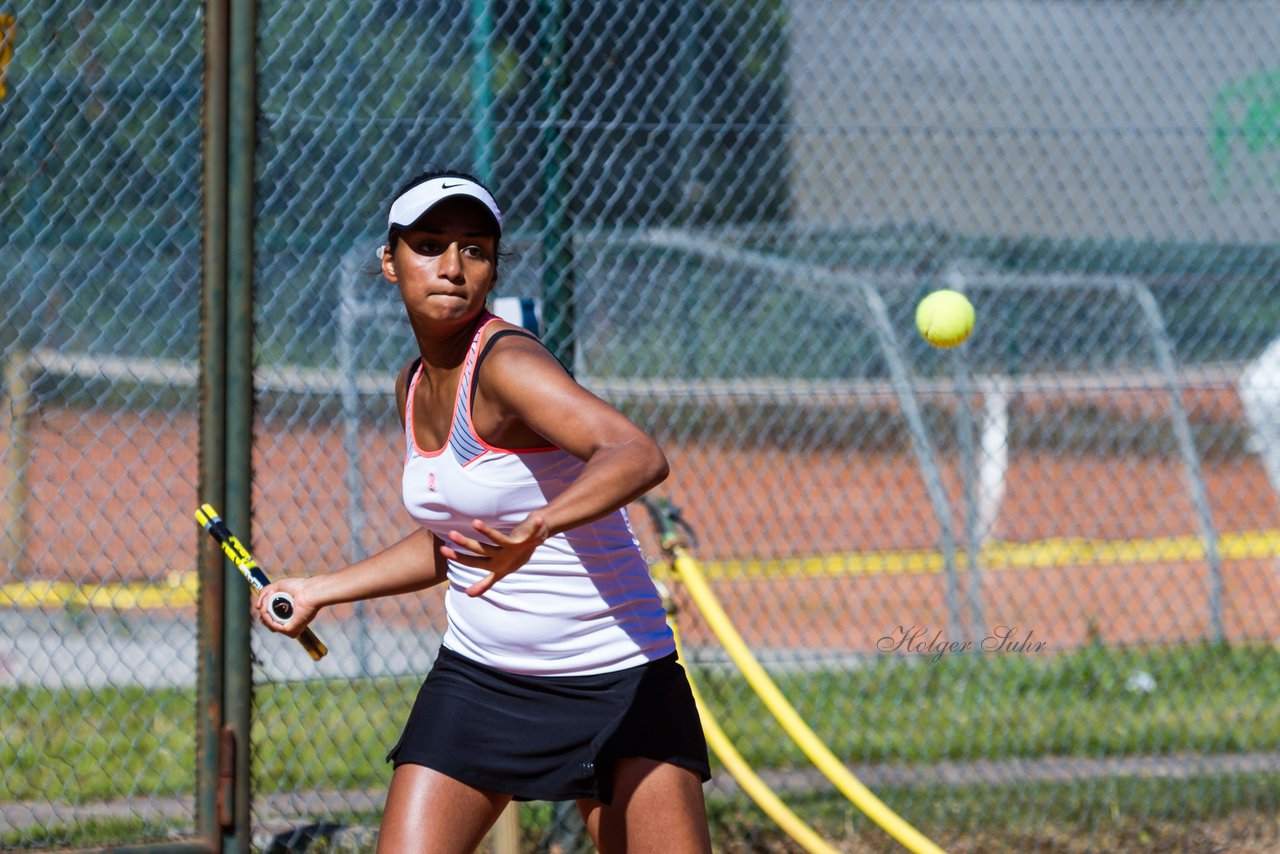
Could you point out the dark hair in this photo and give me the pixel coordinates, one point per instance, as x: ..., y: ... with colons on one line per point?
x: 393, y: 232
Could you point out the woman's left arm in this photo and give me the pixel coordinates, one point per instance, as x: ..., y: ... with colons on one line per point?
x: 622, y: 462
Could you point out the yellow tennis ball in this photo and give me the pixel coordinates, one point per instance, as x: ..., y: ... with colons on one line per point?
x: 945, y: 318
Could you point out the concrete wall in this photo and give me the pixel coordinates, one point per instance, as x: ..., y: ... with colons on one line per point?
x: 1065, y: 118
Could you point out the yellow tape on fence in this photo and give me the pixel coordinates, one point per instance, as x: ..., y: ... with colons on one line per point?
x: 179, y: 590
x: 1037, y: 554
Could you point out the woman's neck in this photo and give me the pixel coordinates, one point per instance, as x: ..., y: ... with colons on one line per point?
x: 447, y: 349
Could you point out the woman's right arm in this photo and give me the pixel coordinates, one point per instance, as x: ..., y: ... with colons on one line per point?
x: 414, y: 563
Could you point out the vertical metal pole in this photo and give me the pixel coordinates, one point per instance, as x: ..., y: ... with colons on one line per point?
x: 691, y: 337
x: 557, y: 242
x: 348, y: 308
x: 19, y: 336
x: 966, y: 398
x: 1187, y: 445
x: 210, y: 663
x: 687, y: 18
x: 16, y: 401
x: 557, y: 265
x: 926, y: 454
x: 966, y: 434
x: 482, y: 85
x: 29, y: 276
x: 242, y: 116
x: 993, y: 467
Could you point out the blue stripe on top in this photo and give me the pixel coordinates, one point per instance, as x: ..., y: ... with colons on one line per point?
x: 463, y: 440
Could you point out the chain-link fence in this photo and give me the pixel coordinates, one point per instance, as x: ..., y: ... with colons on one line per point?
x: 1026, y: 588
x: 100, y: 180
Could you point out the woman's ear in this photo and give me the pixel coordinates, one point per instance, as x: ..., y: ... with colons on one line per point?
x: 388, y: 264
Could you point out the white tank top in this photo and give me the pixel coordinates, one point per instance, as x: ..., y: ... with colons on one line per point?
x: 583, y: 604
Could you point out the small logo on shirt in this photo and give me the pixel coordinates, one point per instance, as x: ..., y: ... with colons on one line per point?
x: 431, y: 481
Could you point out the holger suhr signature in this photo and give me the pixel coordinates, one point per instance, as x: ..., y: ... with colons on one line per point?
x: 919, y: 640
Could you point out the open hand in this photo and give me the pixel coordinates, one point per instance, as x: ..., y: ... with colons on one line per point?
x: 502, y: 555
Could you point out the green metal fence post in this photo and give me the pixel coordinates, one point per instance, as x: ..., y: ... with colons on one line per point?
x: 557, y: 241
x: 482, y: 85
x: 210, y: 660
x: 242, y: 115
x: 557, y: 258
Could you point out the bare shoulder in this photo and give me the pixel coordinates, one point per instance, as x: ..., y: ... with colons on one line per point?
x: 510, y: 349
x: 402, y: 388
x: 521, y: 380
x: 518, y: 372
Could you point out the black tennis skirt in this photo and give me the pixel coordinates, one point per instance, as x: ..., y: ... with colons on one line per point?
x: 550, y: 738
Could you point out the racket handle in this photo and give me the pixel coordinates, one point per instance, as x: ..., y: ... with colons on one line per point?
x: 312, y: 644
x: 281, y: 608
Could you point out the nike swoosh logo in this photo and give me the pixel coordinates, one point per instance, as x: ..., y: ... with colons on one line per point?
x: 451, y: 186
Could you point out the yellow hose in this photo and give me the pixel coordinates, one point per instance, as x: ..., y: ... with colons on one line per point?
x: 791, y: 824
x: 690, y: 573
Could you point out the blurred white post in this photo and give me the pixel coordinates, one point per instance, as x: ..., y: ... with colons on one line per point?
x: 1260, y: 396
x: 506, y: 833
x: 993, y: 454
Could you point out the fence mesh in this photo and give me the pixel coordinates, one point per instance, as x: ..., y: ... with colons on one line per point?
x: 99, y: 282
x: 1025, y: 588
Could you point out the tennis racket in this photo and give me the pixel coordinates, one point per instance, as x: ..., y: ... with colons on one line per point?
x: 281, y: 605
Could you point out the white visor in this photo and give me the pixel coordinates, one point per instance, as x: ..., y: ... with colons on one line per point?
x: 421, y: 198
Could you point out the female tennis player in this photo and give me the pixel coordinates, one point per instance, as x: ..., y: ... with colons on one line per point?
x: 557, y: 678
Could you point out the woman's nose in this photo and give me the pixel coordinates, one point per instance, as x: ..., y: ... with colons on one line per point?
x: 451, y: 262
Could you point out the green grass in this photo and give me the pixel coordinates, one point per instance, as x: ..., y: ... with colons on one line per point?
x: 1208, y: 698
x: 92, y: 833
x: 107, y: 742
x: 1124, y: 814
x: 1131, y: 815
x: 86, y: 745
x: 335, y: 732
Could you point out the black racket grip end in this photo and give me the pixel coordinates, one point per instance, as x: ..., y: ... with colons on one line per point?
x: 282, y: 607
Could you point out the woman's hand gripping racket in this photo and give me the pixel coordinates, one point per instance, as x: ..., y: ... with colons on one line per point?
x: 281, y: 603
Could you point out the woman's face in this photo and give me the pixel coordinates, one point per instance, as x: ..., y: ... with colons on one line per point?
x: 446, y: 263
